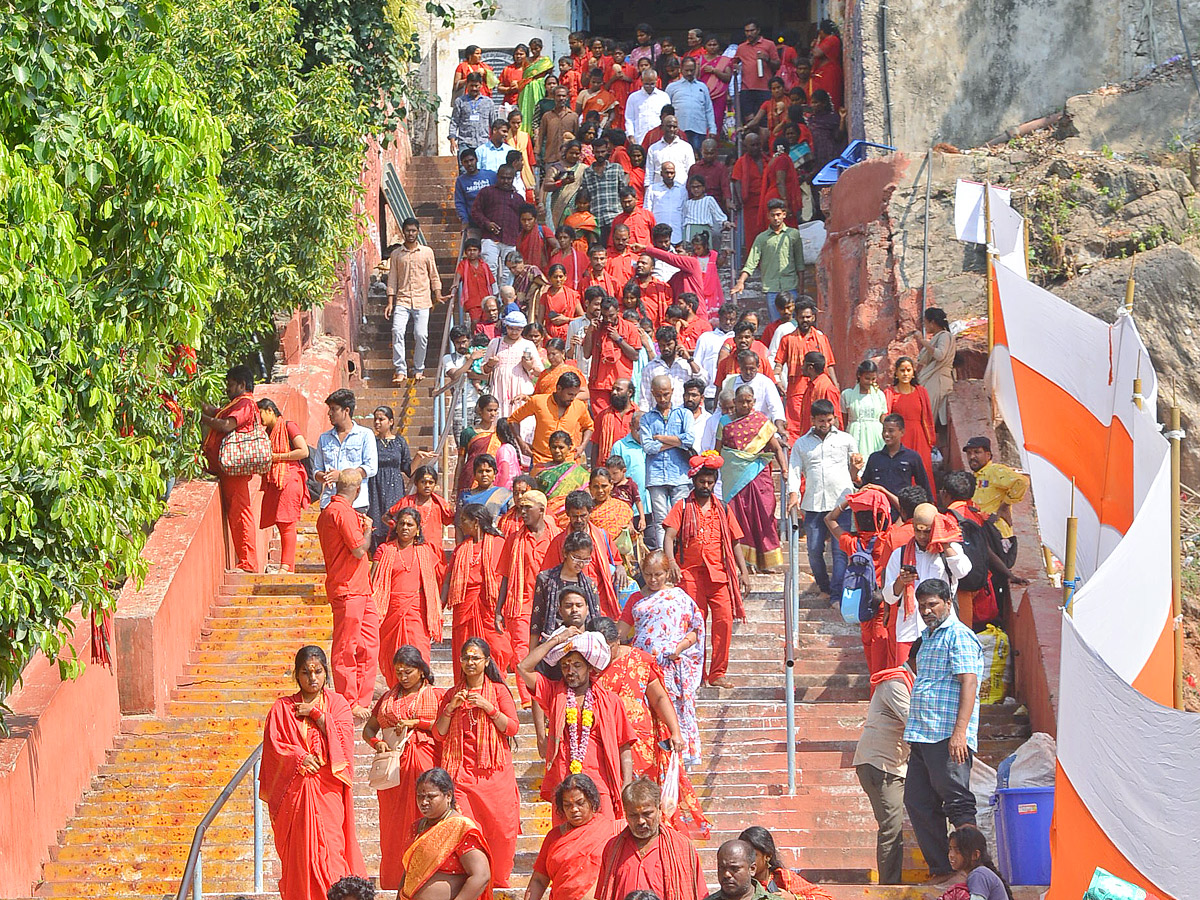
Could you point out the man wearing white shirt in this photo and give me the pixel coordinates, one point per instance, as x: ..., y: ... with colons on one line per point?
x: 766, y: 394
x: 347, y: 445
x: 693, y: 402
x: 643, y: 107
x: 693, y: 105
x: 709, y: 344
x: 921, y: 558
x: 822, y: 458
x: 665, y: 199
x: 669, y: 148
x: 493, y: 153
x: 674, y: 362
x: 575, y: 330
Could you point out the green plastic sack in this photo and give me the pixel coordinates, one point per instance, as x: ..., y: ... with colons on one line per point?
x: 1106, y: 886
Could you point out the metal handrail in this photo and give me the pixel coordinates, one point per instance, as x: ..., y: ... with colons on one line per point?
x: 739, y: 233
x: 791, y: 613
x: 193, y: 872
x: 454, y: 316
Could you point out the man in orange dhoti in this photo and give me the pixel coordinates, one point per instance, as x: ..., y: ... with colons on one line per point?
x: 520, y: 561
x: 345, y: 535
x: 648, y: 855
x: 589, y: 730
x: 700, y: 540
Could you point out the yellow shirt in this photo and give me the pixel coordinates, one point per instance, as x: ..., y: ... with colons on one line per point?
x: 996, y: 485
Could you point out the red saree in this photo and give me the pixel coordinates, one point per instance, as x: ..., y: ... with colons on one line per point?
x: 570, y: 857
x: 481, y: 442
x: 436, y: 514
x: 398, y: 805
x: 749, y: 489
x: 917, y: 411
x: 440, y: 850
x: 628, y: 676
x: 407, y: 585
x: 479, y: 759
x: 312, y: 816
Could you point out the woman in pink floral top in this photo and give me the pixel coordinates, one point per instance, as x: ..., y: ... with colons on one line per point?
x: 666, y: 623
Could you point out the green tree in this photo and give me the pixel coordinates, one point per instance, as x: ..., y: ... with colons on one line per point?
x: 111, y: 218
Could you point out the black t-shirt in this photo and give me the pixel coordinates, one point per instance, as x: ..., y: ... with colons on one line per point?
x: 897, y: 472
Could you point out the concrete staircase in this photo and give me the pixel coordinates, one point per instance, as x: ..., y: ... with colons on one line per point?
x: 131, y: 833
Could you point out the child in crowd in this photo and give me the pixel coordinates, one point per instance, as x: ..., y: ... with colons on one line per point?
x: 624, y: 488
x: 970, y: 858
x: 582, y: 220
x: 569, y: 78
x: 473, y: 280
x: 702, y: 212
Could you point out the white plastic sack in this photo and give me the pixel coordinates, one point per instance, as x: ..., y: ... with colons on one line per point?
x: 1034, y: 763
x: 812, y: 239
x: 983, y: 785
x: 670, y: 787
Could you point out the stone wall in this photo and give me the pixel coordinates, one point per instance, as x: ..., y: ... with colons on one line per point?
x: 962, y: 73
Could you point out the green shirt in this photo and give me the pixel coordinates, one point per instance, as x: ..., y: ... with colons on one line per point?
x: 781, y: 256
x: 760, y: 892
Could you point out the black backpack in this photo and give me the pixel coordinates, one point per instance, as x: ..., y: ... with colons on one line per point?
x: 314, y: 488
x: 975, y: 545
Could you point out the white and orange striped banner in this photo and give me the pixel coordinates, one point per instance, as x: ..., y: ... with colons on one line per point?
x: 1063, y: 382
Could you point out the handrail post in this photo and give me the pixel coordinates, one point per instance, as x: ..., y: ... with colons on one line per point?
x: 789, y: 660
x: 198, y: 877
x: 258, y: 830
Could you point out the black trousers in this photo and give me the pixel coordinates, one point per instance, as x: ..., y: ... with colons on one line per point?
x: 937, y: 790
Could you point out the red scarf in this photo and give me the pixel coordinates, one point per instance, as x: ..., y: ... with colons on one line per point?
x: 523, y: 539
x: 490, y: 746
x: 385, y: 569
x: 460, y: 567
x: 673, y: 849
x: 280, y: 443
x: 689, y: 530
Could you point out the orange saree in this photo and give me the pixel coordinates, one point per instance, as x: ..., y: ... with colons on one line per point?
x: 440, y: 850
x: 312, y: 816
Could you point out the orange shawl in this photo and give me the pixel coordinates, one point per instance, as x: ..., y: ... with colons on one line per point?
x: 285, y: 735
x: 613, y: 515
x: 435, y: 504
x: 675, y: 850
x: 431, y: 582
x: 491, y: 746
x: 899, y: 673
x: 548, y: 380
x: 460, y: 565
x: 280, y: 443
x: 522, y: 539
x: 431, y: 849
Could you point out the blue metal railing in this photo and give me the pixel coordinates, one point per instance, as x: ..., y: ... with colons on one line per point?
x: 193, y: 872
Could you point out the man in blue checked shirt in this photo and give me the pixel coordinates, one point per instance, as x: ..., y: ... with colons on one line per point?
x: 347, y: 445
x: 943, y: 726
x: 667, y: 437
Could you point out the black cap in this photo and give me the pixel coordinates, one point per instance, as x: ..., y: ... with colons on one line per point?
x: 980, y: 442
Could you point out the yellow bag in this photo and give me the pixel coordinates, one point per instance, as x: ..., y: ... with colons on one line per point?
x: 997, y: 665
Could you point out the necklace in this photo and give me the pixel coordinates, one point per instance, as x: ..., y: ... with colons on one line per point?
x: 579, y: 728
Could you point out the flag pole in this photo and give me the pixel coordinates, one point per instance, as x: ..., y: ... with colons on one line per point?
x: 987, y: 259
x: 1176, y: 437
x: 1129, y: 285
x: 1069, y: 557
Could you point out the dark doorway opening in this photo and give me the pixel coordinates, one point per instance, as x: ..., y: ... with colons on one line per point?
x: 674, y: 17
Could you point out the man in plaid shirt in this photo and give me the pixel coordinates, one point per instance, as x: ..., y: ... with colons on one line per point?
x: 603, y: 181
x: 943, y: 726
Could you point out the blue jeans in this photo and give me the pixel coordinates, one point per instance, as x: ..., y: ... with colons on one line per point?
x: 815, y: 536
x: 695, y: 138
x: 662, y: 498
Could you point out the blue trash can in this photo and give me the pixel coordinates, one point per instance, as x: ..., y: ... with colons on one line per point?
x: 1023, y: 833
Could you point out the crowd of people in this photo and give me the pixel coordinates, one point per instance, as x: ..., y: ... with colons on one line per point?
x: 621, y: 426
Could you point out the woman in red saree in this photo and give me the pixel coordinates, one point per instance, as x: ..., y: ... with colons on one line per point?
x: 474, y: 584
x: 772, y: 874
x: 637, y: 679
x: 449, y: 857
x: 569, y: 860
x: 475, y: 440
x: 780, y: 182
x: 407, y: 584
x: 748, y: 444
x: 285, y: 487
x: 306, y: 777
x: 240, y: 415
x: 613, y: 515
x: 435, y: 510
x: 560, y: 304
x: 475, y: 726
x: 827, y: 74
x: 908, y: 399
x: 404, y: 714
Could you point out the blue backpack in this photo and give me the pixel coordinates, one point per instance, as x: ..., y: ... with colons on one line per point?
x: 861, y: 596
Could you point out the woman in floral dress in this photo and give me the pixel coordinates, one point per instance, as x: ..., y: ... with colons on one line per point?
x: 666, y: 623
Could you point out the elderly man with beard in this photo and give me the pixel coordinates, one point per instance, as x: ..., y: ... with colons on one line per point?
x: 588, y: 730
x: 649, y: 855
x: 701, y: 541
x: 943, y: 724
x: 613, y: 423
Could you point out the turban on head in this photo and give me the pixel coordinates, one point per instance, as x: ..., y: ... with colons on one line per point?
x: 590, y: 645
x: 697, y: 464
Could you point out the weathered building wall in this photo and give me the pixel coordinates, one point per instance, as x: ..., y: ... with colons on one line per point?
x: 962, y: 73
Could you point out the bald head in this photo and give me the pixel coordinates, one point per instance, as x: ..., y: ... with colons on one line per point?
x: 735, y: 870
x: 922, y: 523
x: 349, y: 482
x: 735, y: 850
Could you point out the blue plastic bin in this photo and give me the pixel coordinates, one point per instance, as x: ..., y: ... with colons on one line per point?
x: 1023, y: 833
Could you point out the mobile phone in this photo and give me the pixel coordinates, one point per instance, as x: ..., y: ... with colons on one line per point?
x: 910, y: 569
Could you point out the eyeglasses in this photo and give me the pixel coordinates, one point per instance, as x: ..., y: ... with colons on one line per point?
x: 581, y: 561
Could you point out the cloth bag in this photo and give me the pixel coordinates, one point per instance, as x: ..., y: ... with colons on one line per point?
x: 245, y: 452
x: 385, y: 767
